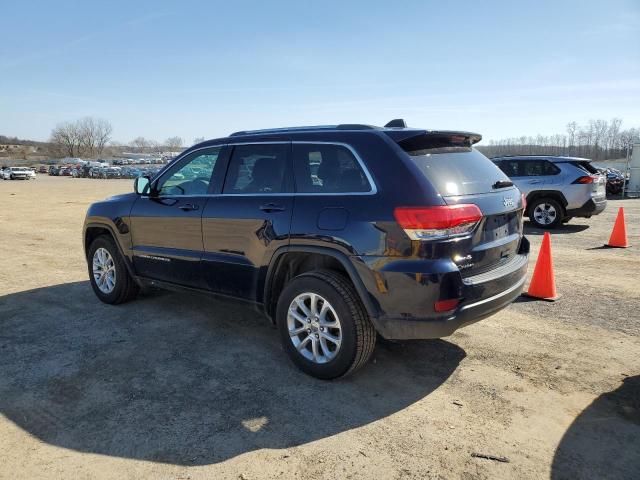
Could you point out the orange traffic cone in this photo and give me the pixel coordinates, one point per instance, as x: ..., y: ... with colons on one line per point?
x: 618, y: 236
x: 543, y: 283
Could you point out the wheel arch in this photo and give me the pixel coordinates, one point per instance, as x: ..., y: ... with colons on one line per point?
x: 293, y: 260
x: 94, y: 230
x: 554, y: 194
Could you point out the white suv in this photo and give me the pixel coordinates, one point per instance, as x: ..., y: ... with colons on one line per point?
x: 17, y: 173
x: 557, y: 188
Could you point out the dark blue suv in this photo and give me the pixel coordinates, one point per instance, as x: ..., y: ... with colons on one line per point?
x: 334, y: 232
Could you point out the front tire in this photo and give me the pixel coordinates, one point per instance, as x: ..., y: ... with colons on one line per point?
x: 324, y: 328
x: 546, y: 213
x: 108, y: 273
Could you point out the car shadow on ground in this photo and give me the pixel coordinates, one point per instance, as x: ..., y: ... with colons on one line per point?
x: 184, y: 379
x: 530, y: 229
x: 604, y: 441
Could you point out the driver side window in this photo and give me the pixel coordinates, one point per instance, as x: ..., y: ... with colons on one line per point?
x: 191, y: 178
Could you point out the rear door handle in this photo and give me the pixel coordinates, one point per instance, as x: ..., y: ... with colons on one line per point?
x: 271, y: 207
x: 535, y: 181
x: 187, y: 207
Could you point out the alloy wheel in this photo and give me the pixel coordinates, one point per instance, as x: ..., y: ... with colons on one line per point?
x: 314, y: 327
x: 545, y: 213
x: 104, y: 270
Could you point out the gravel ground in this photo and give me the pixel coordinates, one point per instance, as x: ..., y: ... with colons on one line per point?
x: 181, y: 386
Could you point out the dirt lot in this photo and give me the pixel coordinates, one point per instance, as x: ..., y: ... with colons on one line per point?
x: 178, y: 386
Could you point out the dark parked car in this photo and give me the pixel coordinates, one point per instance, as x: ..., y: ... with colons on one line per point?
x: 335, y: 232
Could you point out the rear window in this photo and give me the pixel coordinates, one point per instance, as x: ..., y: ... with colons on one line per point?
x: 586, y: 166
x: 458, y: 170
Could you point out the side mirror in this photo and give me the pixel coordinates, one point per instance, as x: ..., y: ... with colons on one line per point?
x: 142, y: 185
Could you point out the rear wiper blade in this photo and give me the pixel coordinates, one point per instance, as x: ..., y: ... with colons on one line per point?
x: 502, y: 184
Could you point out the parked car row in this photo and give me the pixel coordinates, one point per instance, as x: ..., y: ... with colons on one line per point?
x: 121, y: 172
x: 103, y: 171
x: 615, y: 180
x: 18, y: 173
x: 139, y: 161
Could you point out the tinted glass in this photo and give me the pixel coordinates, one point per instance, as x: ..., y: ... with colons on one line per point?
x: 586, y: 166
x: 327, y: 169
x: 510, y: 168
x: 458, y: 170
x: 260, y: 168
x: 191, y: 178
x: 536, y: 168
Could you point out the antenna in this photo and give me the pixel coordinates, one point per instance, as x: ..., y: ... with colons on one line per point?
x: 396, y: 123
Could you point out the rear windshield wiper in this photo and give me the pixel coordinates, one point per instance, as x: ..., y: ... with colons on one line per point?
x: 502, y: 184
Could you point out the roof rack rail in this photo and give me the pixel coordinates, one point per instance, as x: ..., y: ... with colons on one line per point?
x: 345, y: 126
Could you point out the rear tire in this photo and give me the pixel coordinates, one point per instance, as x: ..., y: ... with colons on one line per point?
x: 546, y: 213
x: 121, y: 287
x: 344, y: 310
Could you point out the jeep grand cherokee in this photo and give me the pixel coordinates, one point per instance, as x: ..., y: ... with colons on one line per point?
x: 335, y: 232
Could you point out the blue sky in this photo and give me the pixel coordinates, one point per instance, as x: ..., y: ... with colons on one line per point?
x: 205, y: 69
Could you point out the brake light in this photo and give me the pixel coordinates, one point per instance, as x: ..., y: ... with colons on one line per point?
x: 586, y: 179
x: 436, y: 223
x: 446, y: 305
x: 524, y: 201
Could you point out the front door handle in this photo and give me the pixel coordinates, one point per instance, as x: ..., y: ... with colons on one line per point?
x: 535, y: 181
x: 271, y: 207
x: 188, y: 207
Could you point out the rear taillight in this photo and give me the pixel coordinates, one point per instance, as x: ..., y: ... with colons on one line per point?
x: 586, y: 179
x: 524, y: 201
x: 437, y: 223
x: 446, y: 305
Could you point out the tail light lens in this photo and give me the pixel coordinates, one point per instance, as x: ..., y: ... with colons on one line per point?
x: 586, y: 179
x: 524, y: 201
x: 446, y: 305
x: 437, y: 223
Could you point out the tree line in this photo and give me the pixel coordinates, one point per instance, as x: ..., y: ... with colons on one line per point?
x: 90, y: 137
x: 597, y: 140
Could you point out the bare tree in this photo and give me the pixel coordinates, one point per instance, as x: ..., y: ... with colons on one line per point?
x: 66, y: 139
x: 598, y: 140
x: 102, y: 132
x: 174, y: 143
x: 153, y: 146
x: 198, y: 140
x: 140, y: 143
x: 85, y: 137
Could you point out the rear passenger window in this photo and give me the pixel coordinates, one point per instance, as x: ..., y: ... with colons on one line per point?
x: 510, y: 168
x: 259, y: 168
x: 326, y: 168
x: 535, y: 168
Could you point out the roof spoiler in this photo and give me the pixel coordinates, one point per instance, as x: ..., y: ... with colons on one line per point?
x: 413, y: 140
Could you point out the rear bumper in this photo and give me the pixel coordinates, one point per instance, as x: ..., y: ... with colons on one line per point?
x: 403, y: 329
x: 591, y: 207
x: 412, y: 315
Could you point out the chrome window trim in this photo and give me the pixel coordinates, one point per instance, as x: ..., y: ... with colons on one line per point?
x: 373, y: 189
x: 372, y: 185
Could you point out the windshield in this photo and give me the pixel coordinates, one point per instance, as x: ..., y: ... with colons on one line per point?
x: 458, y: 171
